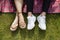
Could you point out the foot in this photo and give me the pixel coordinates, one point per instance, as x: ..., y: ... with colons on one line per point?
x: 31, y: 22
x: 22, y: 23
x: 14, y: 24
x: 42, y: 22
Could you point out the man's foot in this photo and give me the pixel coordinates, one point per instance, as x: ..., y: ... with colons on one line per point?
x: 14, y: 24
x: 42, y: 22
x: 22, y: 23
x: 31, y: 22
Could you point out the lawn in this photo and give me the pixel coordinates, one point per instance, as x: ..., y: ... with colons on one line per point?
x: 52, y: 32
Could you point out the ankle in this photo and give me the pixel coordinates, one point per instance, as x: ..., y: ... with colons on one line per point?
x: 30, y: 14
x: 43, y: 14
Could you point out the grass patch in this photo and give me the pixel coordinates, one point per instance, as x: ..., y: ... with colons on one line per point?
x: 52, y: 32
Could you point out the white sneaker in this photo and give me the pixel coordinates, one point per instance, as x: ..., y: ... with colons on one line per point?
x: 42, y: 22
x: 31, y: 22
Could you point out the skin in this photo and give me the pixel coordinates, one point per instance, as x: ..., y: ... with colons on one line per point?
x: 19, y: 4
x: 14, y: 24
x: 42, y: 14
x: 19, y: 16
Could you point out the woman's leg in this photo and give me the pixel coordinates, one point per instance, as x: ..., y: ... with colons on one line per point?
x: 19, y: 4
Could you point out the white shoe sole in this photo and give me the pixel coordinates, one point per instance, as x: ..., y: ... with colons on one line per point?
x: 42, y: 27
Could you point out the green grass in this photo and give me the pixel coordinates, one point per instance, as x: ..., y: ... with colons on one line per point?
x: 52, y: 32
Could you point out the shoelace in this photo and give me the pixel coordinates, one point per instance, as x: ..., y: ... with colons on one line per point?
x: 31, y: 20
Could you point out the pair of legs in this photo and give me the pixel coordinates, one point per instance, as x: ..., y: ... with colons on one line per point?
x: 45, y: 7
x: 19, y: 19
x: 30, y: 17
x: 41, y: 18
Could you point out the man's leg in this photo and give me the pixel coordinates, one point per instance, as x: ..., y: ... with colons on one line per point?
x: 42, y: 17
x: 45, y: 7
x: 46, y: 4
x: 31, y: 18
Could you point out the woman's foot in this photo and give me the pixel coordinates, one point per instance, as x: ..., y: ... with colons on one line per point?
x: 22, y: 23
x: 14, y: 24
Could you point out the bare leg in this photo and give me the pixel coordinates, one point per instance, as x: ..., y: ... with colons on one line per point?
x: 29, y: 13
x: 19, y: 4
x: 14, y: 24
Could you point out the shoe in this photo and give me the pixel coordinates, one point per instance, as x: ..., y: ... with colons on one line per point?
x: 22, y: 23
x: 42, y: 22
x: 14, y: 24
x: 31, y: 22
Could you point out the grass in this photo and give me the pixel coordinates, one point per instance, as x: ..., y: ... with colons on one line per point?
x: 52, y: 32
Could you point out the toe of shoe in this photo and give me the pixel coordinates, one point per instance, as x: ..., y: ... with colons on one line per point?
x: 43, y: 27
x: 30, y: 27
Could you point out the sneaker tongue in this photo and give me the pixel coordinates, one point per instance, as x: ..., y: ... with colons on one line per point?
x: 43, y: 17
x: 31, y: 20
